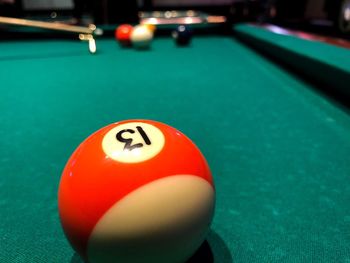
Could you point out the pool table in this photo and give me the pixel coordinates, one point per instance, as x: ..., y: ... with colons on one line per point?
x: 278, y: 145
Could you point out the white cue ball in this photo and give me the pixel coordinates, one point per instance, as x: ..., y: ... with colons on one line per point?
x: 141, y: 37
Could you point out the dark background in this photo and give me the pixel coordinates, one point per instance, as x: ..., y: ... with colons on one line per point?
x: 322, y: 15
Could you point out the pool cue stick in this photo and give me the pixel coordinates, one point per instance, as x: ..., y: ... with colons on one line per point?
x: 47, y: 25
x: 85, y: 33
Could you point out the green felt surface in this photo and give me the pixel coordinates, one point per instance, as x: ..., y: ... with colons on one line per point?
x: 335, y: 56
x: 328, y: 64
x: 278, y: 150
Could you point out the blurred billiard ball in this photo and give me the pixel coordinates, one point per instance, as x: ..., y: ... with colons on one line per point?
x: 141, y: 37
x: 123, y: 34
x: 151, y: 27
x: 182, y: 35
x: 136, y: 191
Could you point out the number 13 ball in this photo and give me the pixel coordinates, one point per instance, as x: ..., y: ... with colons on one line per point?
x: 136, y: 191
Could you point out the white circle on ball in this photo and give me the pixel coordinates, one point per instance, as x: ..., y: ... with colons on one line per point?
x: 133, y: 142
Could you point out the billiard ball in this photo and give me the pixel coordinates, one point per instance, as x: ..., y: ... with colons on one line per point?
x: 141, y: 37
x: 123, y: 33
x: 151, y: 27
x: 182, y: 35
x: 136, y: 191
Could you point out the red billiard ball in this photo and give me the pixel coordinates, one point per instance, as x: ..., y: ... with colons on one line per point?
x: 136, y: 191
x: 123, y: 34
